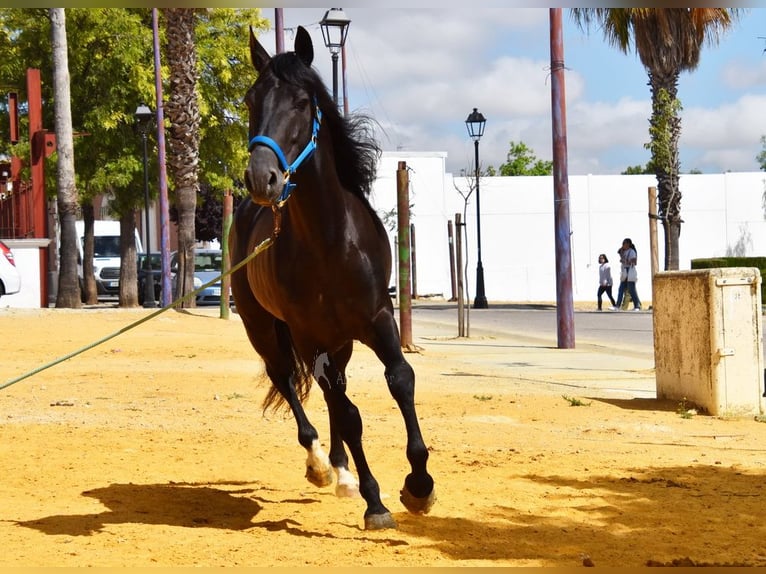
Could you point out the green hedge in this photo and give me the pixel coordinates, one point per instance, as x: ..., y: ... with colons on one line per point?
x: 713, y: 262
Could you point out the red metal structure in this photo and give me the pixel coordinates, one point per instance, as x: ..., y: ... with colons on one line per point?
x: 23, y: 205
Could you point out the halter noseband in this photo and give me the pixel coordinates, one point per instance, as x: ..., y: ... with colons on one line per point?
x: 288, y: 170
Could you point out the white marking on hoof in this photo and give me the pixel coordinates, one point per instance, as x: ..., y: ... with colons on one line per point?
x: 318, y: 470
x: 347, y: 485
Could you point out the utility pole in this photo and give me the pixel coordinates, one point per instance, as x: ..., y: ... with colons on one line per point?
x: 564, y: 304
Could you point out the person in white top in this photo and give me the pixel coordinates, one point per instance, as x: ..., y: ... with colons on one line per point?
x: 628, y: 274
x: 604, y: 280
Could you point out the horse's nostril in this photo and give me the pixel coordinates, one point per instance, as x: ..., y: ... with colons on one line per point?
x: 273, y: 180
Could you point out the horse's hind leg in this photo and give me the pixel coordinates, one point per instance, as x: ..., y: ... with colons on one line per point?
x: 347, y: 425
x: 417, y: 495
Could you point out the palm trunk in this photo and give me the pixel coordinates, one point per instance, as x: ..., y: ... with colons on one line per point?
x: 68, y: 295
x: 665, y: 129
x: 183, y: 112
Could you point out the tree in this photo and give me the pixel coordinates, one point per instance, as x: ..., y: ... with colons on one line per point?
x: 668, y: 41
x: 183, y: 138
x: 68, y: 294
x: 521, y: 160
x: 761, y: 157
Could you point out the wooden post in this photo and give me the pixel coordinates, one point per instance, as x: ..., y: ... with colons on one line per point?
x: 228, y: 209
x: 405, y: 286
x: 451, y: 241
x: 653, y: 230
x: 459, y: 264
x: 413, y: 264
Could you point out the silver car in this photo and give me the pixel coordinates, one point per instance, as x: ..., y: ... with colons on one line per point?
x: 208, y: 264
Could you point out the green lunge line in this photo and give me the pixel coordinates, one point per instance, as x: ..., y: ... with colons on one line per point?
x: 262, y: 246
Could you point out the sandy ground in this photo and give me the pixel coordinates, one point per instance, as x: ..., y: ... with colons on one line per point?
x: 151, y: 449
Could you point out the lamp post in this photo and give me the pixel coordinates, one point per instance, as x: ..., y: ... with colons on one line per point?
x: 334, y: 31
x: 144, y: 118
x: 475, y: 124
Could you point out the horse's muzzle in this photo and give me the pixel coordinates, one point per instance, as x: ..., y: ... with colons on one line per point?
x: 263, y: 178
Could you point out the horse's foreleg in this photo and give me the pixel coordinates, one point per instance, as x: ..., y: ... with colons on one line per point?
x: 346, y: 425
x: 417, y: 495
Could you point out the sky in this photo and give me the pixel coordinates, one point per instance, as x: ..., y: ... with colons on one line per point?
x: 418, y: 72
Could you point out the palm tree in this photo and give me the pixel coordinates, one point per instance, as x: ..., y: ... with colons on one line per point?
x: 668, y: 41
x: 183, y: 137
x: 68, y: 294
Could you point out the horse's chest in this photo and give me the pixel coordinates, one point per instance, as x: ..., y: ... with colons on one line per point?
x: 309, y: 285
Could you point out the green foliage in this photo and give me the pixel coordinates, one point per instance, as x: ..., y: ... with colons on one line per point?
x: 521, y: 160
x: 111, y: 66
x: 575, y: 402
x: 761, y: 157
x: 716, y: 262
x: 665, y: 110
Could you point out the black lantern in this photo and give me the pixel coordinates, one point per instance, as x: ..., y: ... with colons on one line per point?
x: 475, y: 124
x: 144, y: 116
x: 334, y: 31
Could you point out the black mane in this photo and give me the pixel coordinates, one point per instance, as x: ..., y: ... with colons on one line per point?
x: 356, y: 151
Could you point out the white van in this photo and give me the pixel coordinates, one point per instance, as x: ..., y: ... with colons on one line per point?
x: 106, y: 254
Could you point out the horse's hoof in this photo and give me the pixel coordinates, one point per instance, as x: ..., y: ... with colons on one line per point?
x: 379, y: 521
x: 319, y: 477
x: 417, y: 505
x: 346, y: 490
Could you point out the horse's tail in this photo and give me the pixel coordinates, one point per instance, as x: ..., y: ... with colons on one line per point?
x: 302, y: 373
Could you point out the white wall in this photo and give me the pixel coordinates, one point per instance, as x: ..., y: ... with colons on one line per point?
x: 722, y: 213
x: 26, y: 254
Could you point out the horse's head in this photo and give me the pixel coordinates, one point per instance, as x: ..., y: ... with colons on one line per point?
x: 284, y: 118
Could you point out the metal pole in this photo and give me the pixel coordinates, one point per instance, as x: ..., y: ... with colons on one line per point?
x: 166, y: 290
x: 480, y: 302
x: 564, y: 304
x: 459, y: 261
x: 280, y: 30
x: 345, y: 87
x: 451, y: 241
x: 335, y: 77
x: 149, y: 301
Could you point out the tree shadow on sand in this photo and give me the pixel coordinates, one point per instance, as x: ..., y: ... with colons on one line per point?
x: 656, y: 516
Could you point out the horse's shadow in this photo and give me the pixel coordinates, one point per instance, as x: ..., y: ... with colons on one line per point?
x: 182, y: 505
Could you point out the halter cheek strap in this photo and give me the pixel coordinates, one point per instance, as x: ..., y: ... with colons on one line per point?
x: 289, y: 169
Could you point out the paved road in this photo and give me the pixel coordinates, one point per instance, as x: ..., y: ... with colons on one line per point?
x: 626, y: 329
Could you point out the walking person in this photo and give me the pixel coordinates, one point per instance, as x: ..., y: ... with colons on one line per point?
x: 604, y: 280
x: 628, y: 274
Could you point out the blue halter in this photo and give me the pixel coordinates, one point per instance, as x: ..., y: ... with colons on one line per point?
x: 288, y: 170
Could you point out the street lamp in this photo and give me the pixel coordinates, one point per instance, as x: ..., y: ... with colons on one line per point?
x: 475, y: 124
x: 144, y: 117
x: 334, y: 31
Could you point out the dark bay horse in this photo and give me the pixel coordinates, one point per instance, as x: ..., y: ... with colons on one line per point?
x: 324, y: 282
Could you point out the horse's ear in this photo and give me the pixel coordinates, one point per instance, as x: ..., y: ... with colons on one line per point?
x: 258, y: 54
x: 303, y: 46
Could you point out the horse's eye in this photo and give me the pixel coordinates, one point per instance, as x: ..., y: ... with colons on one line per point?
x: 302, y: 104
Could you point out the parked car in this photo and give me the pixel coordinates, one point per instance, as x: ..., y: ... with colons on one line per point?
x: 155, y: 259
x: 208, y: 264
x: 106, y: 255
x: 10, y: 278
